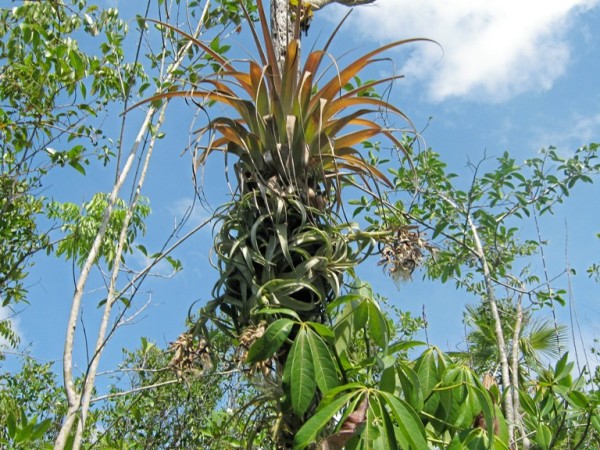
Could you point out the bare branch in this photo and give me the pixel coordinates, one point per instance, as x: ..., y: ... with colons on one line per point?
x: 79, y: 402
x: 133, y: 391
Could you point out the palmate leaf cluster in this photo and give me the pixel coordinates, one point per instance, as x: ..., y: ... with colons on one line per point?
x: 539, y: 339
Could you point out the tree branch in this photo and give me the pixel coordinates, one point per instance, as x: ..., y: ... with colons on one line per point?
x: 82, y: 400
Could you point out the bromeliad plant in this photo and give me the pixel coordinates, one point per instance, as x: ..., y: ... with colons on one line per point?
x: 295, y: 138
x: 284, y: 254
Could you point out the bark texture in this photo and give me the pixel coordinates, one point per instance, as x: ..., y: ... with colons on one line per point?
x: 282, y: 28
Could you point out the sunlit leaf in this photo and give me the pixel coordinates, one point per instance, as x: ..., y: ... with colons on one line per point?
x: 274, y: 337
x: 378, y: 326
x: 543, y: 436
x: 411, y: 386
x: 299, y: 373
x: 323, y: 362
x: 310, y: 430
x: 411, y: 431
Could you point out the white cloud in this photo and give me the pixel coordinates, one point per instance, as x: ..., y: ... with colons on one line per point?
x: 492, y: 49
x: 570, y: 133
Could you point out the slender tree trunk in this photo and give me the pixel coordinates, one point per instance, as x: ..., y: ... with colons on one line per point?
x: 282, y: 28
x: 78, y: 401
x: 515, y: 375
x: 509, y: 409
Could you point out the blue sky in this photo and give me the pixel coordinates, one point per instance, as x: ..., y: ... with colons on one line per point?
x: 514, y: 76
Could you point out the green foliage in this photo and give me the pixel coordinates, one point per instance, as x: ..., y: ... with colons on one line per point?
x: 31, y: 406
x: 281, y: 252
x: 268, y: 344
x: 177, y: 413
x: 147, y: 406
x: 49, y: 124
x: 561, y: 410
x: 495, y: 201
x: 22, y: 432
x: 302, y: 353
x: 19, y: 238
x: 316, y: 338
x: 228, y: 12
x: 81, y: 227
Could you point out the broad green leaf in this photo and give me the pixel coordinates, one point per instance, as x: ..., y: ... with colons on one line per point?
x: 456, y: 444
x: 11, y: 425
x: 411, y: 386
x: 411, y: 431
x: 26, y: 432
x: 427, y: 372
x: 388, y: 380
x: 389, y: 431
x: 324, y: 331
x: 360, y: 313
x: 547, y: 404
x: 323, y: 362
x: 341, y: 300
x: 487, y: 408
x: 578, y: 399
x: 462, y: 408
x: 40, y: 428
x: 501, y: 443
x: 527, y: 403
x: 299, y: 373
x: 310, y: 430
x: 563, y: 367
x: 476, y: 439
x: 404, y: 345
x: 595, y: 421
x: 274, y: 337
x: 378, y: 326
x: 543, y: 436
x: 77, y: 166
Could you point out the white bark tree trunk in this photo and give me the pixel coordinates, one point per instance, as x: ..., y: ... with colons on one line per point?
x: 282, y: 28
x: 78, y: 399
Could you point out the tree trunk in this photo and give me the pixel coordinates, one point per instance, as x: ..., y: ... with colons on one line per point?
x: 515, y: 375
x: 509, y: 410
x: 282, y: 28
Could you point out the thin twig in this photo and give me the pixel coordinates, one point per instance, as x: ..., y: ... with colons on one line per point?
x: 133, y: 391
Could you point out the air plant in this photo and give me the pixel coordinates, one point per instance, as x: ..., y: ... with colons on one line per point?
x: 282, y: 248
